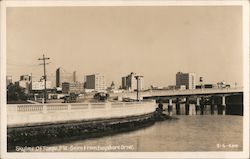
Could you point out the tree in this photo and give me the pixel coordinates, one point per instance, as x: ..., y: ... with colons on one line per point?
x: 15, y: 93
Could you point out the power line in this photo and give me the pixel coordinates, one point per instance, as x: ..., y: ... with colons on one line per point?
x: 44, y: 73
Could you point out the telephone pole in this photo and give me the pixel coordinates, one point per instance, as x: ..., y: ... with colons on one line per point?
x: 44, y: 74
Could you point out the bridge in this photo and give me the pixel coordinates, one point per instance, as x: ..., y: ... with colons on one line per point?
x: 216, y: 97
x: 175, y: 93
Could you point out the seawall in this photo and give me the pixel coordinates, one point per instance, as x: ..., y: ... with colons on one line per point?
x: 51, y: 133
x: 33, y: 114
x: 43, y: 124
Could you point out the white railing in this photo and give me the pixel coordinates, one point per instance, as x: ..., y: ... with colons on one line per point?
x: 22, y: 114
x: 179, y: 92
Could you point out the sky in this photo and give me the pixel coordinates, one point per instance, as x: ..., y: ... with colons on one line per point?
x: 153, y: 41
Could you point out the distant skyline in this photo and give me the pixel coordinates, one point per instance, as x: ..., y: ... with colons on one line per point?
x: 156, y: 42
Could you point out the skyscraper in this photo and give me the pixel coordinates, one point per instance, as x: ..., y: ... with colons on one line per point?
x: 58, y: 79
x: 74, y: 77
x: 129, y: 82
x: 124, y: 82
x: 96, y: 82
x: 63, y: 76
x: 185, y: 79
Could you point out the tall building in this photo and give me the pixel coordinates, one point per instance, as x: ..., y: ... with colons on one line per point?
x: 96, y: 82
x: 129, y: 82
x: 58, y: 79
x: 63, y: 76
x: 185, y: 79
x: 8, y: 80
x: 74, y: 77
x: 124, y: 82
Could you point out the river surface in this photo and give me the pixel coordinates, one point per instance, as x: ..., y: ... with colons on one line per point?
x: 188, y: 133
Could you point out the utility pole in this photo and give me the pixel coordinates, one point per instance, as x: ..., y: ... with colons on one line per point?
x: 44, y: 74
x: 30, y: 88
x: 137, y: 90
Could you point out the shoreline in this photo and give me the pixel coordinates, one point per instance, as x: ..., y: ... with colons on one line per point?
x: 57, y: 133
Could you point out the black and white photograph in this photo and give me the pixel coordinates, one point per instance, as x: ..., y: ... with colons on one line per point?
x: 125, y: 79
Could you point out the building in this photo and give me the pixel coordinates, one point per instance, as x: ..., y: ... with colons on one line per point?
x: 63, y: 76
x: 58, y: 79
x: 8, y: 80
x: 39, y: 85
x: 124, y: 83
x: 185, y: 79
x: 129, y: 82
x: 75, y: 87
x: 25, y: 78
x: 74, y: 77
x: 95, y: 82
x: 24, y: 82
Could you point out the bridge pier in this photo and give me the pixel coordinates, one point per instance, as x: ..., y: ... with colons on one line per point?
x: 197, y: 107
x: 212, y: 105
x: 177, y: 106
x: 223, y: 105
x: 202, y: 106
x: 187, y: 106
x: 219, y: 107
x: 170, y: 107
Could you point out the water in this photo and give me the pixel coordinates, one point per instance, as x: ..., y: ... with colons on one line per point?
x: 189, y: 133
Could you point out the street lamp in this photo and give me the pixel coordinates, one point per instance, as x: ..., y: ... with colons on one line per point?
x: 137, y: 90
x: 201, y: 82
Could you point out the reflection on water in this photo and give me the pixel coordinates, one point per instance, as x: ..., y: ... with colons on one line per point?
x: 189, y: 133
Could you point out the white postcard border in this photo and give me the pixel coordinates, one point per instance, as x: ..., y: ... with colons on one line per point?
x: 208, y: 154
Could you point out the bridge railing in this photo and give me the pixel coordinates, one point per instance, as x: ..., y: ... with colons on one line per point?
x: 180, y: 92
x: 196, y: 91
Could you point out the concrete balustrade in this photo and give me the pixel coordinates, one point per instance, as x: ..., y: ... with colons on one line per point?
x: 25, y: 114
x: 170, y: 93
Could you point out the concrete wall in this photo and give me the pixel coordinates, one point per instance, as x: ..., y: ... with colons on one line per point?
x: 25, y: 114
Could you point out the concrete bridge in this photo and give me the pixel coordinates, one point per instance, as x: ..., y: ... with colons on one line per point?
x: 216, y: 96
x: 175, y: 93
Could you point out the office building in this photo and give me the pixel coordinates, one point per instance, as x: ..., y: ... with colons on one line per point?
x: 124, y: 82
x: 95, y: 82
x: 75, y: 87
x: 185, y: 80
x: 63, y: 76
x: 129, y: 82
